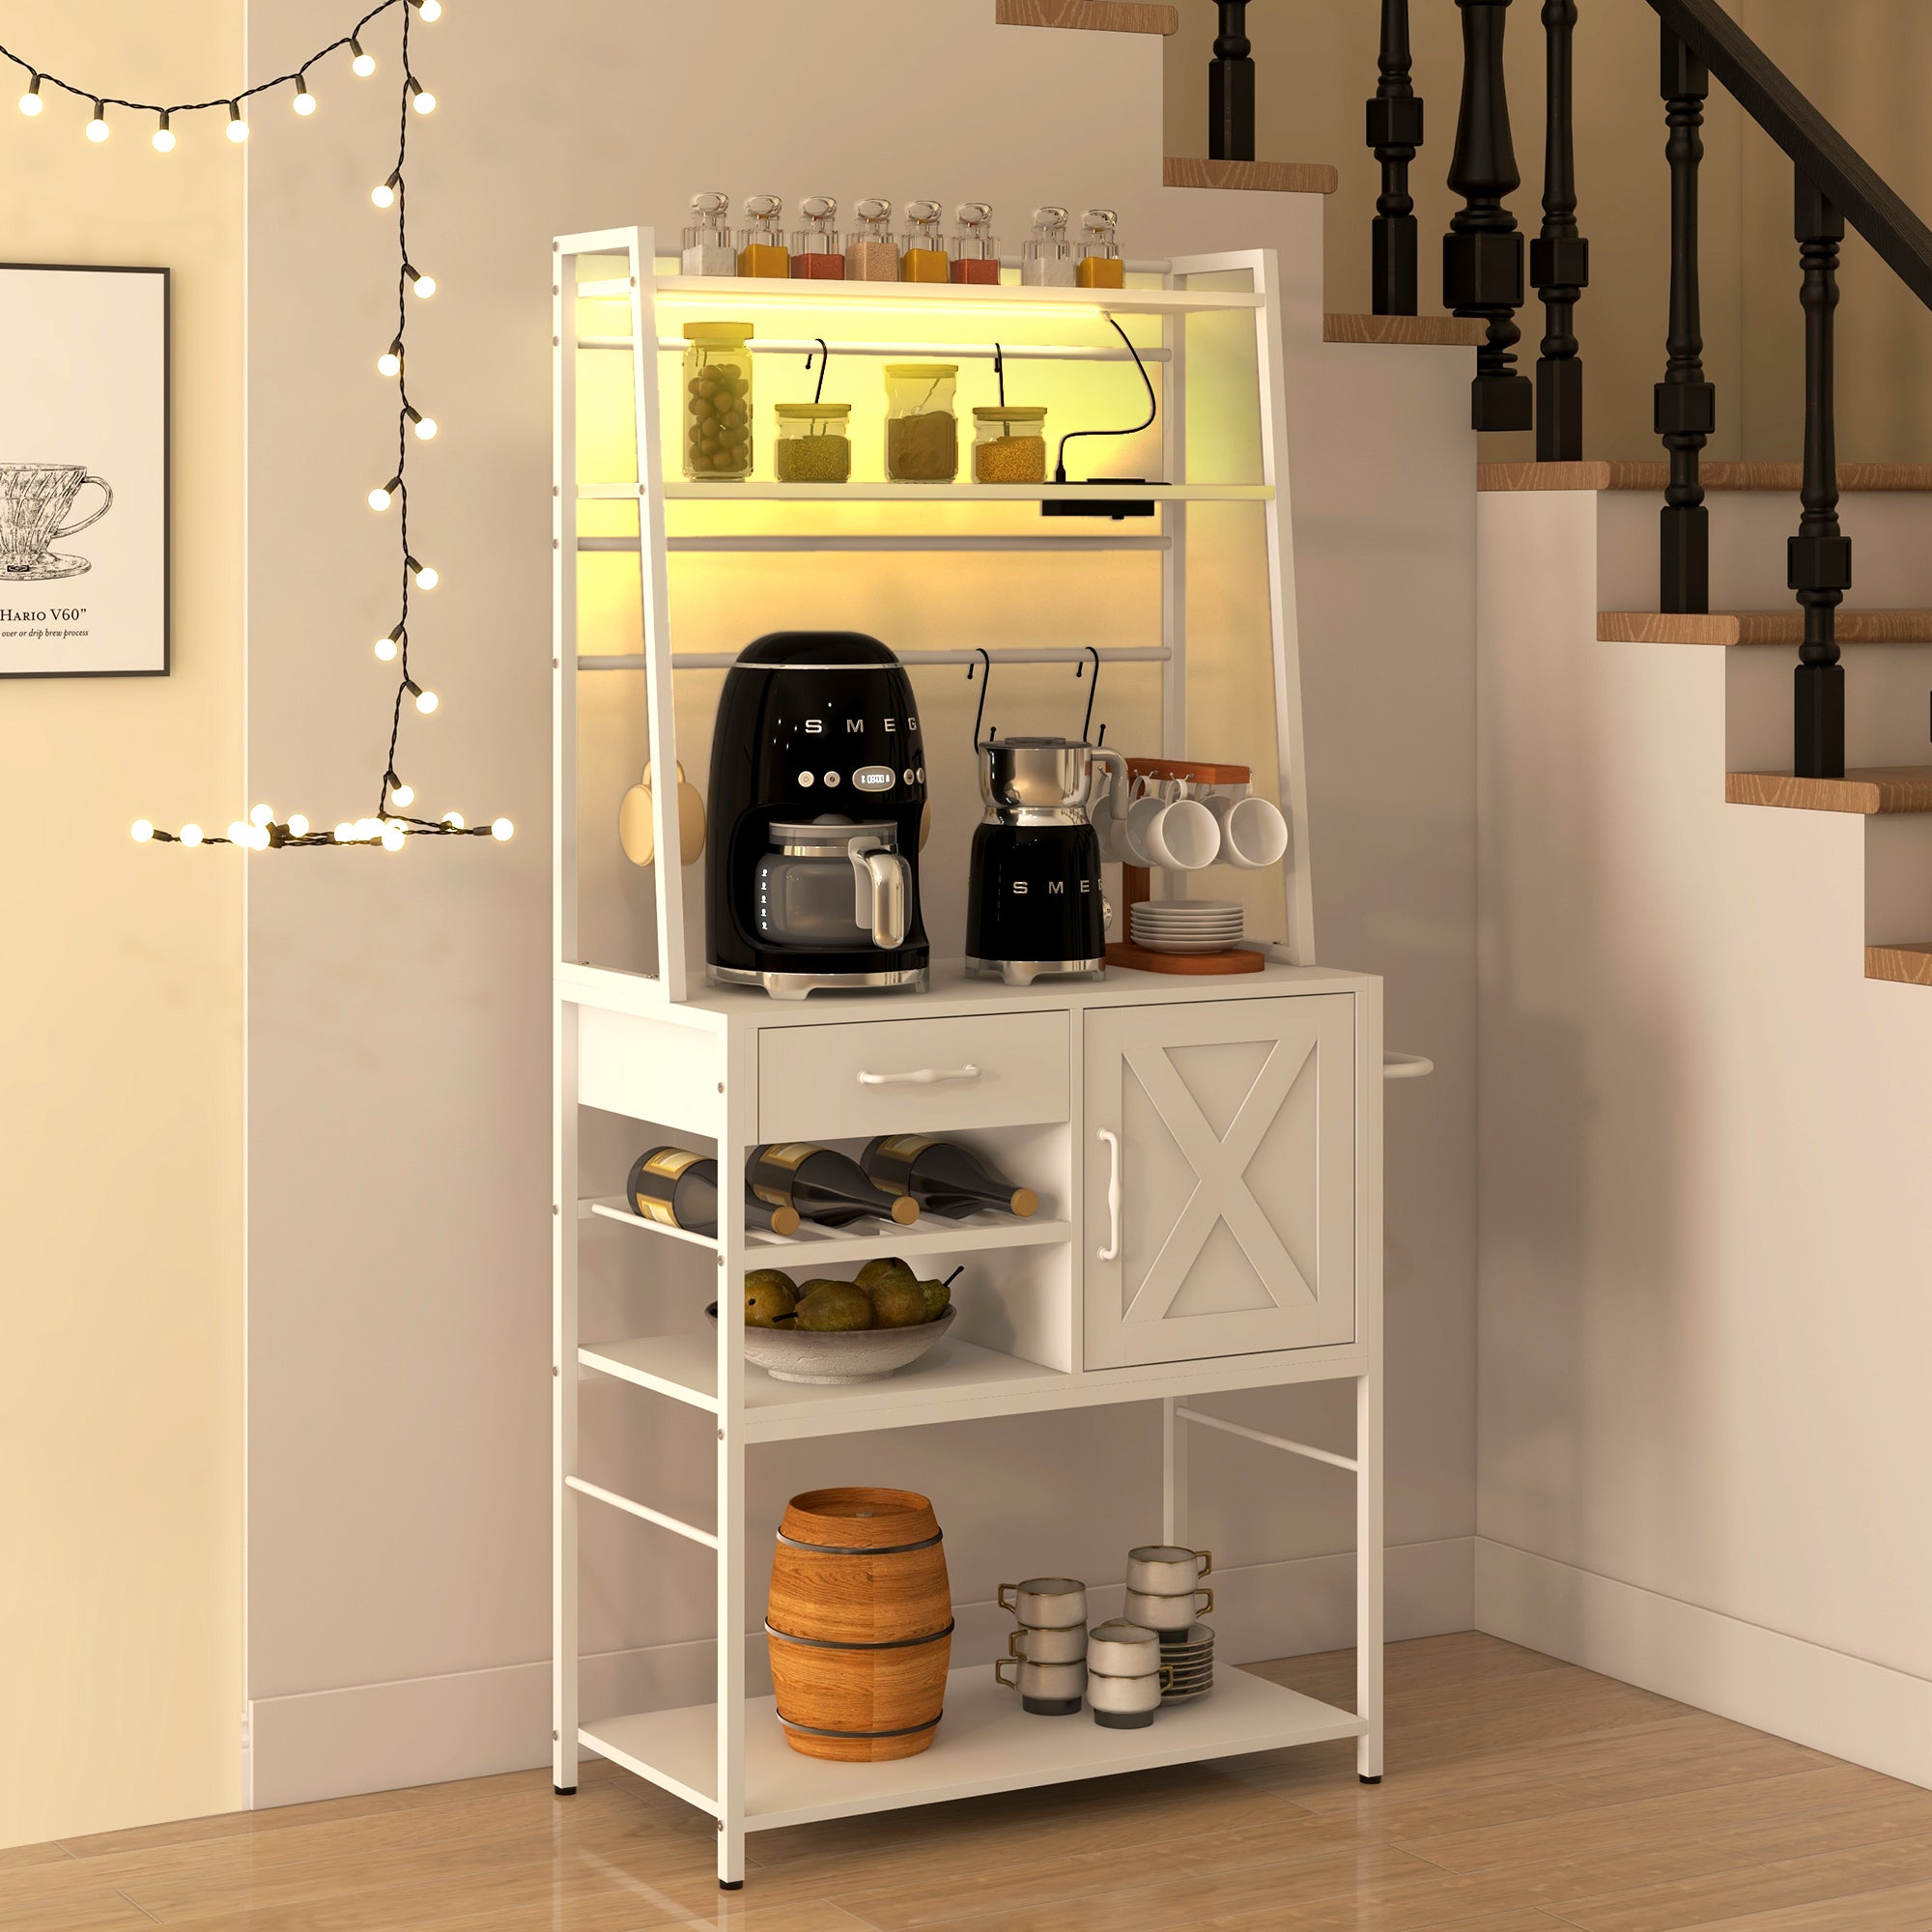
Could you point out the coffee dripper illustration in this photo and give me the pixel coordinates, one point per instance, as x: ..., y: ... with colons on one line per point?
x: 35, y: 499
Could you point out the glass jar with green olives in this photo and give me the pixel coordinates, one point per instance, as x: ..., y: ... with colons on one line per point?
x: 718, y: 401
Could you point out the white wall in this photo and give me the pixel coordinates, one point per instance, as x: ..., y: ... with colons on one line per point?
x: 1704, y: 1250
x: 399, y: 1077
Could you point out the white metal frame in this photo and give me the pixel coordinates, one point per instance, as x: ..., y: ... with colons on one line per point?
x: 705, y: 1038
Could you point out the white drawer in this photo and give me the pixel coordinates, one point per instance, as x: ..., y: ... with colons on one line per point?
x: 910, y: 1076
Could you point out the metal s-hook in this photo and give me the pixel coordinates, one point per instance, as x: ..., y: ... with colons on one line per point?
x: 979, y: 651
x: 824, y: 356
x: 1093, y: 691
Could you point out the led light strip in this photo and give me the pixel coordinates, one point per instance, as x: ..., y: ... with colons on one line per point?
x: 392, y: 827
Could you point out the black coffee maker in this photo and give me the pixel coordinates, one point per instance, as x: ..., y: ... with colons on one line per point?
x: 817, y: 800
x: 1033, y: 903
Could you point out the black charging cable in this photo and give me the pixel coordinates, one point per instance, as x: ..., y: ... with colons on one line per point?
x: 1153, y: 409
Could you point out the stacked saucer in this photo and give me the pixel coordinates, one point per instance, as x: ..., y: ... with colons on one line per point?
x: 1185, y: 925
x: 1188, y: 1662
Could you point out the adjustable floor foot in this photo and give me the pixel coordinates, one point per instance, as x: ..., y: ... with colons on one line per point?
x: 731, y: 1885
x: 564, y: 1790
x: 1375, y: 1779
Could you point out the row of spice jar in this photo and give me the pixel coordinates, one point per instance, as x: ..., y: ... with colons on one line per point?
x: 815, y: 439
x: 868, y: 253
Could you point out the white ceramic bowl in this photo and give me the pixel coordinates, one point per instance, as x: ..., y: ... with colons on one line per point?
x: 1167, y: 1569
x: 1121, y: 1697
x: 857, y: 1356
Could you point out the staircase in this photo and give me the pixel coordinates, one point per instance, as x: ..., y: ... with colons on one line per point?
x: 1696, y: 595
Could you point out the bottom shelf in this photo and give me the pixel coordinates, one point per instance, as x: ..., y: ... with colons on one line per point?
x: 985, y: 1742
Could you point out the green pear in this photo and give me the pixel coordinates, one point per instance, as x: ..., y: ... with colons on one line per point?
x: 937, y: 1296
x: 883, y: 1268
x: 832, y: 1307
x: 898, y: 1304
x: 769, y: 1297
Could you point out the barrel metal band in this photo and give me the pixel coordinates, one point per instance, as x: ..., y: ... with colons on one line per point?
x: 832, y: 1644
x: 814, y: 1730
x: 863, y: 1550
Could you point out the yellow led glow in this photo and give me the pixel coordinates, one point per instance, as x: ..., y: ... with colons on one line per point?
x: 402, y: 794
x: 298, y: 826
x: 143, y: 831
x: 502, y: 830
x: 427, y: 701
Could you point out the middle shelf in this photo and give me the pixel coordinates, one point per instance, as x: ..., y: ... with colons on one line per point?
x: 814, y: 1246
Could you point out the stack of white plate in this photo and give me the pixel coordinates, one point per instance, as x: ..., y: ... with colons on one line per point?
x: 1189, y: 1661
x: 1186, y: 926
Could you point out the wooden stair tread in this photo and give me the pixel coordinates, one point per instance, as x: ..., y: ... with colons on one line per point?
x: 1785, y: 477
x: 1909, y: 965
x: 1272, y: 177
x: 1094, y: 17
x: 1760, y: 627
x: 1439, y: 332
x: 1877, y: 788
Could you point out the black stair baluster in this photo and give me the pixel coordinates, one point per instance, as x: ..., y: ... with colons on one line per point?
x: 1559, y: 259
x: 1820, y: 553
x: 1395, y: 133
x: 1481, y: 254
x: 1230, y: 88
x: 1687, y: 405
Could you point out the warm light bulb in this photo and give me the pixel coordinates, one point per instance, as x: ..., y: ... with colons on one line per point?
x: 258, y: 839
x: 363, y: 65
x: 380, y: 499
x: 390, y: 361
x: 402, y: 794
x: 368, y: 828
x: 190, y: 834
x: 393, y: 839
x: 386, y: 647
x: 143, y: 831
x: 426, y: 428
x: 238, y: 128
x: 424, y: 285
x: 430, y: 10
x: 262, y: 815
x: 304, y: 101
x: 426, y: 702
x: 424, y: 102
x: 501, y: 829
x: 96, y: 128
x: 237, y: 833
x: 454, y: 818
x: 383, y: 193
x: 298, y: 826
x: 164, y: 137
x: 31, y: 102
x: 427, y: 576
x: 342, y: 832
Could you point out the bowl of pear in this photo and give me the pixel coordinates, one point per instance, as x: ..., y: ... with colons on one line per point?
x: 823, y: 1331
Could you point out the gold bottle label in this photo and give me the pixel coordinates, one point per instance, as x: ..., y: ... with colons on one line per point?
x: 667, y: 1164
x: 788, y: 1154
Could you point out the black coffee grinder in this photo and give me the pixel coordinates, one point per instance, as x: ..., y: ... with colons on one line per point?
x: 817, y: 798
x: 1033, y: 902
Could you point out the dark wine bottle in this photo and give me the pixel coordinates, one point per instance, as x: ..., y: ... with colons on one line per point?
x: 943, y: 1176
x: 679, y: 1189
x: 821, y: 1186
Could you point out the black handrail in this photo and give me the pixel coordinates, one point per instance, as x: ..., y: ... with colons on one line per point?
x: 1230, y: 88
x: 1829, y: 161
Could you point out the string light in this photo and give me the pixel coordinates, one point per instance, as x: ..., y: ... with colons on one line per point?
x: 260, y: 831
x: 501, y: 831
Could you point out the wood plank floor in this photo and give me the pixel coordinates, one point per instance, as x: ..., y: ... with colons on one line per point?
x: 1522, y: 1796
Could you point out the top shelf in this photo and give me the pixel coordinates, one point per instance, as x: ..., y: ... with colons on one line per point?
x: 959, y: 297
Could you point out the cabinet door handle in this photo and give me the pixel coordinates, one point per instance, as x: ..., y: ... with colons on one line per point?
x: 925, y: 1076
x: 1112, y: 1251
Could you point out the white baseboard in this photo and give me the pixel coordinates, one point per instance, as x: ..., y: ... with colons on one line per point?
x: 425, y: 1731
x: 1866, y: 1713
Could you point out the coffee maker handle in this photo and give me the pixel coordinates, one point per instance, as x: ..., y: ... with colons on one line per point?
x: 1117, y: 791
x: 883, y: 882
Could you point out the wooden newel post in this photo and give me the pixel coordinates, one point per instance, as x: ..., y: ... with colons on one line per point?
x: 1687, y: 405
x: 1481, y: 254
x: 1820, y: 553
x: 1559, y: 259
x: 1230, y: 88
x: 1395, y: 133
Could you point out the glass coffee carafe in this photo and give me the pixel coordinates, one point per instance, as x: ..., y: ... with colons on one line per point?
x: 833, y: 884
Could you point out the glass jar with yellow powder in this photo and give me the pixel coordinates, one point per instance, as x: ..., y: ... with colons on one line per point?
x: 1009, y: 444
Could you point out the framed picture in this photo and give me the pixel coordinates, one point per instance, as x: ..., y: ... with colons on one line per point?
x: 83, y: 471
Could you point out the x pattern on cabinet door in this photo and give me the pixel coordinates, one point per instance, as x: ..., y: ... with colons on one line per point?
x: 1234, y: 1126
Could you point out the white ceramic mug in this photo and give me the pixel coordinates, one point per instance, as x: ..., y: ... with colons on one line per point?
x: 1167, y: 1614
x: 1031, y: 1645
x: 1167, y: 1569
x: 1046, y: 1602
x: 1120, y: 1649
x: 1124, y: 1696
x: 1253, y: 832
x: 1178, y: 834
x: 1047, y: 1683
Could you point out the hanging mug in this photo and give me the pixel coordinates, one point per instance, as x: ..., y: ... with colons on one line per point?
x: 638, y: 833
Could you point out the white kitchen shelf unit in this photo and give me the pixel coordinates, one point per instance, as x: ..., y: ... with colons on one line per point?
x: 1209, y: 1148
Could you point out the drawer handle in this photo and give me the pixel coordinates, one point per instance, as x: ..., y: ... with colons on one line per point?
x: 925, y: 1076
x: 1112, y: 1251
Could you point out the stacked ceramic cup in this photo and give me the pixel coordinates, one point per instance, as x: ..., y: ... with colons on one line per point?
x: 1126, y: 1676
x: 1048, y: 1651
x: 1165, y: 1593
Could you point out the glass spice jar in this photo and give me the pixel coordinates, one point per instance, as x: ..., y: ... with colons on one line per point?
x: 871, y: 255
x: 1046, y: 259
x: 717, y: 401
x: 924, y: 256
x: 762, y: 247
x: 922, y: 431
x: 1099, y: 265
x: 815, y: 254
x: 707, y: 241
x: 975, y: 254
x: 814, y: 442
x: 1009, y: 444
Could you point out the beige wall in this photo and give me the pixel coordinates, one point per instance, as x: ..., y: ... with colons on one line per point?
x: 119, y: 1036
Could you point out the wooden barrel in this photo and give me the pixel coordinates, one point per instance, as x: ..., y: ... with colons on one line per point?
x: 859, y: 1624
